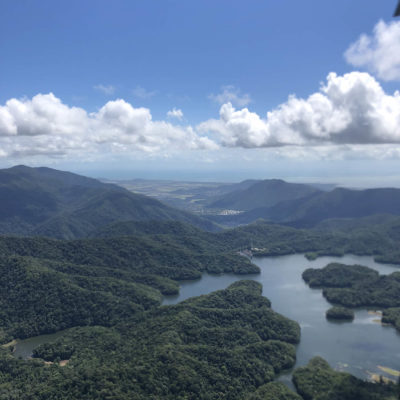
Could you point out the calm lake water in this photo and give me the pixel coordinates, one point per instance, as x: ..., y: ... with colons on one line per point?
x: 357, y: 347
x: 24, y: 348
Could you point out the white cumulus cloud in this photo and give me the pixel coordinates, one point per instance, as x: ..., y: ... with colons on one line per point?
x: 44, y: 125
x: 350, y: 114
x: 42, y: 115
x: 232, y: 95
x: 378, y: 53
x: 348, y: 109
x: 175, y: 113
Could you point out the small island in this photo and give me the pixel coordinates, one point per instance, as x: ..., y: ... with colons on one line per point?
x: 311, y: 256
x: 340, y: 314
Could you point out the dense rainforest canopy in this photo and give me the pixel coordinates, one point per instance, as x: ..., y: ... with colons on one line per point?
x: 98, y: 261
x: 357, y: 286
x: 221, y: 346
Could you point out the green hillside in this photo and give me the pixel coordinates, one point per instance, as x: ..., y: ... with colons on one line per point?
x: 344, y: 203
x: 266, y: 193
x: 49, y: 284
x: 48, y: 202
x: 221, y: 346
x: 311, y: 210
x: 105, y: 290
x: 318, y: 381
x: 358, y: 286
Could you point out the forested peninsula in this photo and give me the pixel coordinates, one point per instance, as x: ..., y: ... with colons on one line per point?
x: 86, y: 267
x: 221, y: 346
x: 358, y: 286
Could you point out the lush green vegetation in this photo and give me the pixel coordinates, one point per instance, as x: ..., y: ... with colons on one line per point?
x: 273, y: 391
x: 221, y: 346
x: 109, y: 284
x: 156, y: 260
x: 368, y: 238
x: 340, y: 313
x: 392, y: 316
x: 318, y: 381
x: 265, y: 193
x: 269, y: 239
x: 36, y: 299
x: 49, y: 285
x: 190, y: 196
x: 130, y: 270
x: 309, y: 210
x: 355, y: 285
x: 175, y: 257
x: 336, y: 275
x: 47, y: 202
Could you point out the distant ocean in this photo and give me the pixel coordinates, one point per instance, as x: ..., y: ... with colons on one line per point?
x: 177, y: 175
x: 238, y: 176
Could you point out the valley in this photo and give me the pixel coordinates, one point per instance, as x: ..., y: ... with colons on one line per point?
x: 105, y: 289
x: 199, y: 200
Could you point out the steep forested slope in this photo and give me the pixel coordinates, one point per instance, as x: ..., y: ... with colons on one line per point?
x: 341, y: 203
x: 318, y: 381
x: 266, y: 193
x: 49, y: 284
x: 44, y: 201
x: 221, y: 346
x: 378, y: 237
x: 310, y: 210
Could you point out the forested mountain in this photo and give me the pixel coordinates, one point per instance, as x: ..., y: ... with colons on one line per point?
x: 221, y: 346
x: 376, y: 236
x: 340, y: 203
x: 311, y: 210
x: 266, y: 193
x: 47, y: 202
x: 373, y: 222
x: 318, y: 381
x: 186, y: 195
x: 49, y: 284
x: 355, y: 285
x: 106, y: 288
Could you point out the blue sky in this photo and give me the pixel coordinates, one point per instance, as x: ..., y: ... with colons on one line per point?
x: 194, y: 58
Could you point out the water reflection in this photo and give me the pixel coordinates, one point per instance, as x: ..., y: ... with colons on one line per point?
x: 357, y: 347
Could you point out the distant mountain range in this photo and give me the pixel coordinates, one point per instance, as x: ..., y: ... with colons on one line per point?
x: 339, y: 203
x: 316, y: 206
x: 212, y: 197
x: 266, y: 193
x: 48, y: 202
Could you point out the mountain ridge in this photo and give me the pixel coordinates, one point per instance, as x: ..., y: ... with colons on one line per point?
x: 311, y: 210
x: 47, y: 202
x: 265, y: 193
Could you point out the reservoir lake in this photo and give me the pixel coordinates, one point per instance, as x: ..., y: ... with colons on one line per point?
x: 357, y: 347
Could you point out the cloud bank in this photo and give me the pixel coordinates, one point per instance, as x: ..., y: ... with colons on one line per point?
x: 348, y: 112
x: 44, y: 125
x: 379, y: 53
x: 348, y: 109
